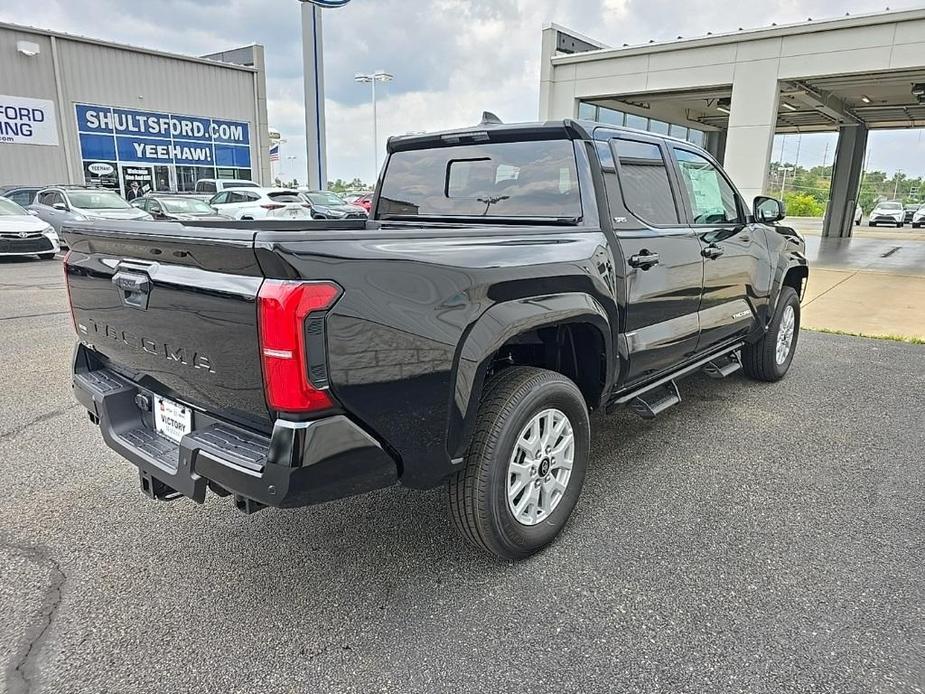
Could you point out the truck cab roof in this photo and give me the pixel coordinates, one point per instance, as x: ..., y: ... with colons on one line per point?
x: 491, y: 131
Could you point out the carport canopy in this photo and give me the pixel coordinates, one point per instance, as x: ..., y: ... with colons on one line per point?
x: 848, y: 75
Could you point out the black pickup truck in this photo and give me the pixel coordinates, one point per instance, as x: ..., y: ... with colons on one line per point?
x: 510, y: 279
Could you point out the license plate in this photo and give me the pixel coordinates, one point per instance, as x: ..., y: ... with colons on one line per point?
x: 172, y: 419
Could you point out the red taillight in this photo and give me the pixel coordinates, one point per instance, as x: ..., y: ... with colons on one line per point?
x: 67, y: 287
x: 272, y: 206
x: 283, y: 308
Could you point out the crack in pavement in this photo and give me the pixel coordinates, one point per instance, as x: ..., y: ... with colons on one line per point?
x: 22, y: 672
x: 4, y: 435
x: 34, y: 315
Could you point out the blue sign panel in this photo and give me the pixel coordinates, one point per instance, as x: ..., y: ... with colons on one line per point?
x: 149, y: 137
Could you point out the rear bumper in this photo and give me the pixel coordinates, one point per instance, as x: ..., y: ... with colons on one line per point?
x: 299, y: 464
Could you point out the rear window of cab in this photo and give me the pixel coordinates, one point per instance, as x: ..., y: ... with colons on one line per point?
x: 508, y: 179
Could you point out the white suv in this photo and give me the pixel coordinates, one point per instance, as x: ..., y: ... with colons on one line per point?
x: 918, y: 218
x: 261, y: 203
x: 887, y: 212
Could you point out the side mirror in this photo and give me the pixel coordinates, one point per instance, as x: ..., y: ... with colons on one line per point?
x: 32, y: 212
x: 767, y: 210
x: 60, y: 206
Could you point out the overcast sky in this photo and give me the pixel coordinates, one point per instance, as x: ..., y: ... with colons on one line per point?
x: 452, y: 59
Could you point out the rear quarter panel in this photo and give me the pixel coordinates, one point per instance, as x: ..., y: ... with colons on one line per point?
x: 410, y: 298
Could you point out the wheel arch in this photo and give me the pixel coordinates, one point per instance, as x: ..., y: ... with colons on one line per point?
x: 792, y: 271
x: 570, y: 327
x: 796, y: 276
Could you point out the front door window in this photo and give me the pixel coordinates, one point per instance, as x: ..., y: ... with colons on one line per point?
x: 712, y: 199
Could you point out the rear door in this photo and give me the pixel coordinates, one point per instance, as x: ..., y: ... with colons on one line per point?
x: 736, y: 271
x: 662, y: 265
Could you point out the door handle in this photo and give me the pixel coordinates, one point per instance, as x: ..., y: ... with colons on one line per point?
x: 712, y: 252
x: 643, y: 260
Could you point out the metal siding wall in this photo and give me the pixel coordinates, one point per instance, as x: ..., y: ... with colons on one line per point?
x: 32, y: 77
x: 104, y: 75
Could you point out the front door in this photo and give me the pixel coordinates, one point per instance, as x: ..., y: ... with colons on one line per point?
x: 662, y: 264
x: 736, y: 274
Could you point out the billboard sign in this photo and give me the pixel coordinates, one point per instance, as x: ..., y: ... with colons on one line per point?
x: 26, y: 121
x: 151, y: 137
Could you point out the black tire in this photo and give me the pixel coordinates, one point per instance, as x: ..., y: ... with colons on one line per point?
x: 900, y: 225
x: 759, y: 359
x: 46, y: 256
x: 916, y: 226
x: 872, y: 224
x: 478, y: 493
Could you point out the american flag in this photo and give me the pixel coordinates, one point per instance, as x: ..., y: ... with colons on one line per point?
x: 274, y: 152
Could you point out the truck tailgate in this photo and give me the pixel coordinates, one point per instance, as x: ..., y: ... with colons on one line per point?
x: 173, y: 308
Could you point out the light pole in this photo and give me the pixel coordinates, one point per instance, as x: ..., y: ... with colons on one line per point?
x: 377, y: 76
x: 783, y: 182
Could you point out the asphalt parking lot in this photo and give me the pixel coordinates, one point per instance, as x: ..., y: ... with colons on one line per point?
x: 756, y: 538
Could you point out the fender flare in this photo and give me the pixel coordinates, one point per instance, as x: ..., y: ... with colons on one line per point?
x: 495, y: 327
x: 789, y: 261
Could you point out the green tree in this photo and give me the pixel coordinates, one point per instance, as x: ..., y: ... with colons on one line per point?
x: 341, y: 186
x: 802, y: 205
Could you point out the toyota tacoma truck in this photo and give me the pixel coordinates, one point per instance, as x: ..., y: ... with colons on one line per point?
x: 510, y: 279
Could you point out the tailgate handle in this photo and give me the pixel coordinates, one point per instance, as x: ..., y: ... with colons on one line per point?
x: 133, y: 289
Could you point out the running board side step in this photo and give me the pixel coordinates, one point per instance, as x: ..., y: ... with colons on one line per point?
x: 661, y: 394
x: 654, y: 401
x: 723, y: 366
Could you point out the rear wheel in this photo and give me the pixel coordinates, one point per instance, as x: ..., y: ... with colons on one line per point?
x: 526, y: 464
x: 769, y: 359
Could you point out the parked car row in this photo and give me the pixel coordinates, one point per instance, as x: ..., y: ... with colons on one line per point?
x: 33, y: 216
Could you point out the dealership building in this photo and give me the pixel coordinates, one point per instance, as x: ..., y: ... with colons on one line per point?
x: 734, y: 92
x: 79, y: 110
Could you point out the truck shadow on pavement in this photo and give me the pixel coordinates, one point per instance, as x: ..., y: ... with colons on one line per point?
x: 398, y: 527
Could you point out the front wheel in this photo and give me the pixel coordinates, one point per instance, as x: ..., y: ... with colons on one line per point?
x: 769, y: 359
x: 525, y: 465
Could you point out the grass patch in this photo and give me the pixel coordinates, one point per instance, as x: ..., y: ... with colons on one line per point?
x: 895, y: 338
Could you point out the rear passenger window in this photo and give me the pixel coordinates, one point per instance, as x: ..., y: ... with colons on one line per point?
x: 22, y: 197
x: 644, y: 181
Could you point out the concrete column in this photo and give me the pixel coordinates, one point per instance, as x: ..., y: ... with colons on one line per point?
x: 715, y: 143
x: 846, y: 181
x: 752, y: 122
x: 550, y: 41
